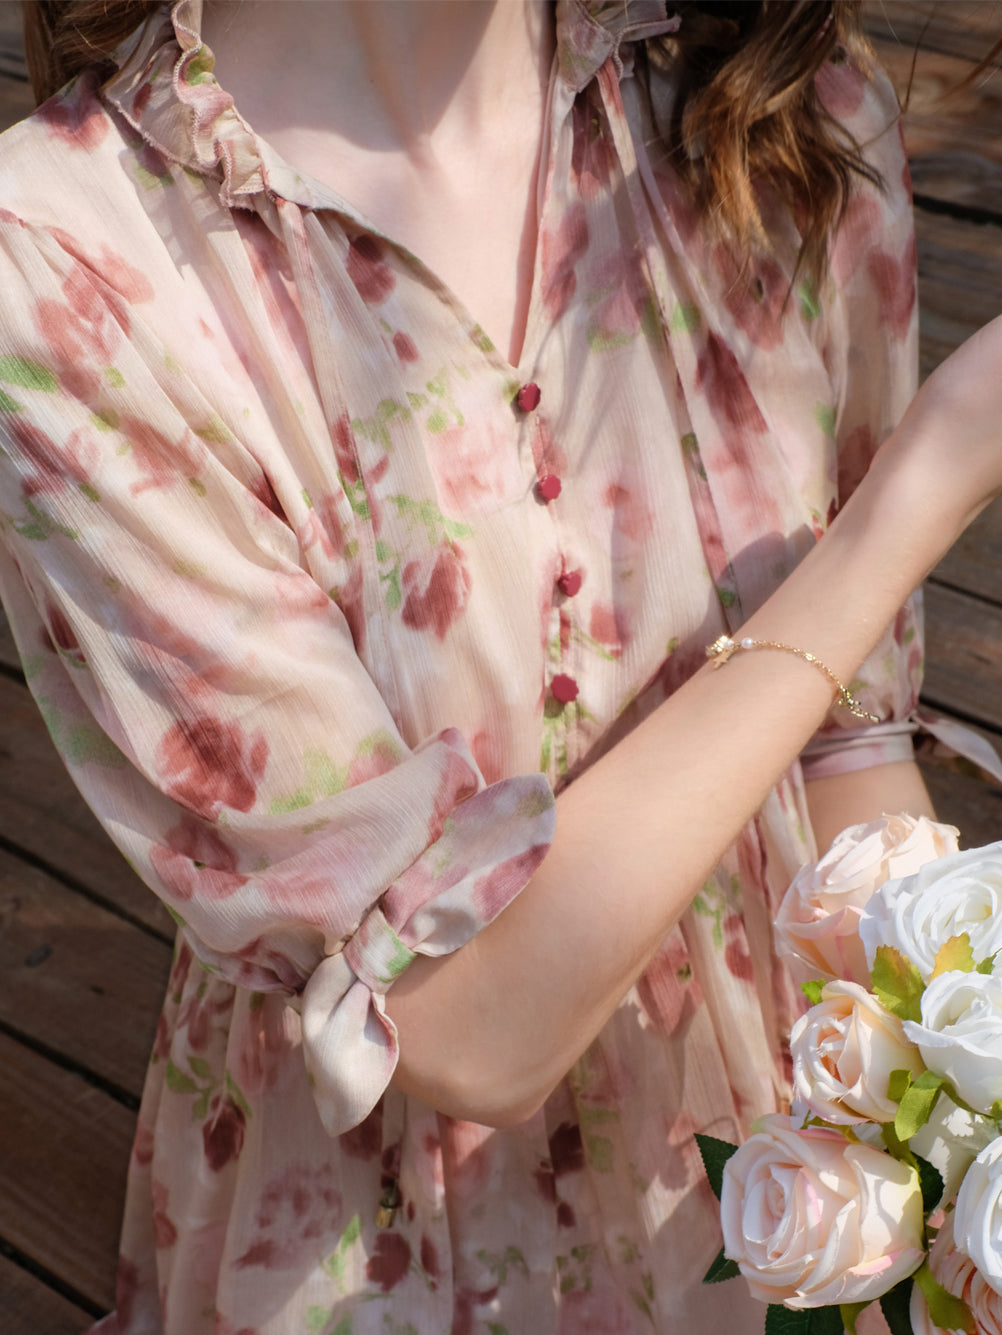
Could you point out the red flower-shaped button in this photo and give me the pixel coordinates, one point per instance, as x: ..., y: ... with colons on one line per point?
x: 549, y: 487
x: 528, y: 397
x: 569, y: 582
x: 564, y: 688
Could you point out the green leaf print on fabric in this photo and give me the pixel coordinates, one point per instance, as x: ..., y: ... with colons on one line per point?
x: 377, y: 427
x: 322, y: 779
x: 685, y: 318
x: 499, y: 1263
x: 106, y: 420
x: 715, y: 900
x: 216, y: 432
x: 824, y: 415
x: 39, y: 527
x: 337, y: 1261
x: 27, y: 375
x: 690, y: 448
x: 9, y: 405
x: 810, y: 303
x: 575, y: 1268
x: 320, y: 1321
x: 114, y: 377
x: 427, y: 513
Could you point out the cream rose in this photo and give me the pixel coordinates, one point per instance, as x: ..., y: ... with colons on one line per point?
x: 917, y: 915
x: 812, y: 1219
x: 960, y: 1036
x: 959, y: 1276
x: 819, y: 915
x: 844, y: 1050
x: 951, y: 1140
x: 977, y: 1220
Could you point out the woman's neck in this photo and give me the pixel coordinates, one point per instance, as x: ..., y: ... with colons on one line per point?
x: 409, y: 75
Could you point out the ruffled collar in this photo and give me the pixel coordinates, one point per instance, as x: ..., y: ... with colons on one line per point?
x: 167, y: 91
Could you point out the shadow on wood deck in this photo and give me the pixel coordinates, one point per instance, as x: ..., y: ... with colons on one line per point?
x: 84, y: 948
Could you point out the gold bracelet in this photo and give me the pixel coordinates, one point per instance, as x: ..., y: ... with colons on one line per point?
x: 723, y: 648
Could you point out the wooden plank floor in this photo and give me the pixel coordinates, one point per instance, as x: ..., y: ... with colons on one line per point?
x: 84, y: 948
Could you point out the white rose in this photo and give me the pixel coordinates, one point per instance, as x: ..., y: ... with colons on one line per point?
x: 951, y: 1140
x: 819, y: 916
x: 960, y: 1037
x: 959, y: 893
x: 959, y: 1276
x: 977, y: 1220
x: 844, y: 1050
x: 812, y: 1219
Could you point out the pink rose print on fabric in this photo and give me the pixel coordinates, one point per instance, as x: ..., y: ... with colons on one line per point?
x: 841, y: 86
x: 592, y: 155
x: 160, y: 461
x: 631, y: 516
x: 300, y: 1213
x: 472, y: 468
x: 391, y: 1260
x: 667, y: 990
x: 126, y: 1291
x: 344, y: 451
x: 365, y: 1141
x: 195, y: 859
x: 894, y: 280
x: 560, y: 249
x: 323, y: 528
x: 207, y: 764
x: 608, y: 626
x: 492, y: 892
x: 755, y: 296
x: 62, y: 635
x: 736, y: 954
x: 404, y: 347
x: 77, y: 118
x: 223, y: 1132
x: 56, y: 468
x: 622, y: 286
x: 164, y: 1229
x: 82, y: 334
x: 109, y: 267
x: 719, y: 376
x: 368, y: 270
x: 861, y: 227
x: 599, y: 1309
x: 204, y: 1013
x: 436, y: 588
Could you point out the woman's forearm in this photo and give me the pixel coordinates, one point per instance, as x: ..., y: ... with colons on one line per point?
x: 486, y: 1033
x: 840, y: 800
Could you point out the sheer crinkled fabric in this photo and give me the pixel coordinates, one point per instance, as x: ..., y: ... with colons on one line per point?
x: 308, y: 631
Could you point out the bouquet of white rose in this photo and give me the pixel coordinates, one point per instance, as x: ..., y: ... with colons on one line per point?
x: 885, y: 1181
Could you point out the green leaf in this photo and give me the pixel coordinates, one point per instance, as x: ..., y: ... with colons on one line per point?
x: 28, y: 375
x: 897, y: 984
x: 714, y: 1154
x: 987, y: 965
x: 178, y: 1081
x: 954, y: 955
x: 721, y: 1268
x: 9, y: 405
x: 947, y: 1312
x: 200, y: 1067
x: 850, y: 1311
x: 995, y: 1111
x: 895, y: 1305
x: 787, y: 1321
x: 897, y: 1085
x: 914, y: 1109
x: 931, y: 1182
x: 812, y: 990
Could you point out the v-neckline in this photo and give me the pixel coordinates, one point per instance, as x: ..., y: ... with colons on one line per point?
x: 319, y: 197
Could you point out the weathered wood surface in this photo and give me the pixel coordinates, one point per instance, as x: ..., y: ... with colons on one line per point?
x: 84, y: 948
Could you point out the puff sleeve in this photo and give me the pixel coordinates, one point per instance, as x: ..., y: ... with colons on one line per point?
x: 206, y: 694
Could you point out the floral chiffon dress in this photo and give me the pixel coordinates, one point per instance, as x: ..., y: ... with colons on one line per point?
x: 323, y: 600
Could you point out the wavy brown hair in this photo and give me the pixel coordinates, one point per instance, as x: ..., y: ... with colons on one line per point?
x: 746, y: 115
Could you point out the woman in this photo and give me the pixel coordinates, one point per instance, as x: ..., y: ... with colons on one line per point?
x: 326, y: 585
